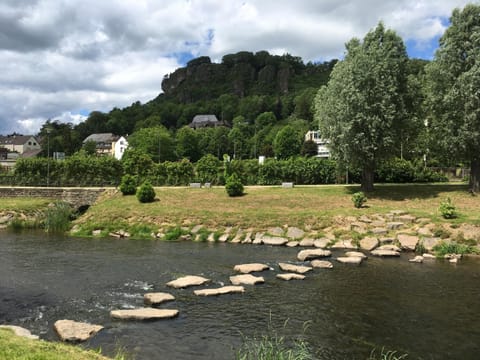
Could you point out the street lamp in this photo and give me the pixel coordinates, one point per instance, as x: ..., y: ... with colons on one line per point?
x: 48, y: 130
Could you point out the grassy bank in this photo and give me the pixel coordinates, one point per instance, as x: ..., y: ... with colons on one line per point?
x: 262, y: 207
x: 19, y: 348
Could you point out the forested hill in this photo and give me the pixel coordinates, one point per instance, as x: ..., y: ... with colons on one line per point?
x: 244, y: 74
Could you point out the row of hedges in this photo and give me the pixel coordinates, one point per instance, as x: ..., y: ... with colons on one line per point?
x: 83, y: 170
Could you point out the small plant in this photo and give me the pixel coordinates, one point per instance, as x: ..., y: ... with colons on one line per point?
x: 234, y: 186
x: 359, y: 199
x: 146, y: 193
x: 128, y: 186
x: 441, y: 232
x: 447, y: 209
x: 452, y: 247
x: 58, y: 217
x: 386, y: 355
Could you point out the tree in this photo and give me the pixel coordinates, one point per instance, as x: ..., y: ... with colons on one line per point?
x: 156, y: 141
x: 187, y: 144
x: 453, y: 83
x: 287, y: 143
x: 363, y: 108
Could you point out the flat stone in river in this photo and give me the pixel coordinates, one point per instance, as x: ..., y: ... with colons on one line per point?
x: 186, y: 281
x: 246, y: 279
x: 294, y: 268
x: 220, y: 291
x: 387, y: 253
x: 313, y: 254
x: 321, y: 264
x: 73, y: 331
x: 157, y: 298
x: 248, y: 268
x: 290, y: 276
x: 143, y: 314
x: 356, y: 260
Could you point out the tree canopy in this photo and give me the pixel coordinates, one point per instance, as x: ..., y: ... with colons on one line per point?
x: 453, y: 90
x: 362, y: 108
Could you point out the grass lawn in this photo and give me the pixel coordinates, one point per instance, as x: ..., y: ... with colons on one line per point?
x: 15, y: 347
x: 263, y: 207
x: 24, y: 204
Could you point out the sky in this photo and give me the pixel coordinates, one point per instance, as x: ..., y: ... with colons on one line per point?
x: 62, y: 59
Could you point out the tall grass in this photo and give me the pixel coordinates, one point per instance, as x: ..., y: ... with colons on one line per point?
x: 57, y: 217
x: 386, y: 355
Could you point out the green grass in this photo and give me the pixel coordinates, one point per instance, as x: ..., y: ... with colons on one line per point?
x: 18, y: 348
x: 264, y: 207
x: 26, y: 204
x: 452, y: 247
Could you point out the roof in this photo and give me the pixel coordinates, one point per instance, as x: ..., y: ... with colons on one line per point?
x: 15, y: 139
x: 206, y: 121
x: 101, y: 138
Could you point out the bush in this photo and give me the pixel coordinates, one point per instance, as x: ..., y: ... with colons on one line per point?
x: 447, y: 209
x: 359, y: 199
x: 146, y: 193
x: 58, y: 217
x: 234, y: 186
x: 128, y: 186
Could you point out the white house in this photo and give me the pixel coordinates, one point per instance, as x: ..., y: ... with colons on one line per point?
x: 322, y: 144
x: 108, y: 144
x: 119, y: 147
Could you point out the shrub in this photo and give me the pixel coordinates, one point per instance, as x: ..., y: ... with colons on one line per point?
x: 146, y: 193
x: 447, y: 209
x: 128, y: 186
x: 58, y: 217
x: 452, y: 247
x: 234, y: 186
x: 359, y: 199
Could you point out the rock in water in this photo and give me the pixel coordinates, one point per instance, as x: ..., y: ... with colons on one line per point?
x: 321, y: 264
x: 248, y: 268
x: 313, y: 254
x: 294, y: 268
x: 220, y: 291
x: 20, y: 331
x: 187, y: 281
x: 356, y: 260
x: 157, y: 298
x: 69, y: 330
x: 143, y: 314
x: 246, y: 279
x: 290, y: 276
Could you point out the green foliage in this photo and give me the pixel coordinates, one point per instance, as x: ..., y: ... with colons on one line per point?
x: 386, y: 355
x: 156, y: 142
x: 447, y: 209
x: 363, y: 108
x: 359, y: 199
x: 146, y: 193
x: 128, y: 186
x: 90, y: 147
x: 179, y: 172
x: 57, y: 217
x: 288, y: 142
x: 452, y: 247
x: 207, y: 169
x: 453, y: 78
x: 174, y: 233
x: 187, y: 144
x: 234, y: 186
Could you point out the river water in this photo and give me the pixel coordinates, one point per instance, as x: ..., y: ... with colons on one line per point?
x: 429, y: 310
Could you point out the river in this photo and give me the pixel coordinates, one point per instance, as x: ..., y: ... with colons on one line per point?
x: 429, y: 310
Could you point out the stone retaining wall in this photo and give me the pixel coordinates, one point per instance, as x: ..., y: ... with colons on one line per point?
x: 76, y: 196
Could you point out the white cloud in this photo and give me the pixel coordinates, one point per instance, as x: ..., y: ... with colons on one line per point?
x: 58, y: 56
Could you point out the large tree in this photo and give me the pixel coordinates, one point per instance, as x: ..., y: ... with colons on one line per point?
x: 363, y: 108
x: 453, y: 91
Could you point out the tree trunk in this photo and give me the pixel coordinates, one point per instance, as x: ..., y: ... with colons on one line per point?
x: 367, y: 177
x: 475, y: 175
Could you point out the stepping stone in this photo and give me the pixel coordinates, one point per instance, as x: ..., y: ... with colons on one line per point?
x: 356, y: 260
x: 274, y: 240
x: 290, y: 276
x: 294, y: 268
x: 143, y: 314
x: 417, y: 259
x: 248, y: 268
x: 428, y: 256
x: 295, y: 233
x: 246, y: 279
x: 386, y: 253
x: 157, y: 298
x: 73, y: 331
x: 292, y: 244
x: 355, y: 254
x: 220, y: 291
x: 20, y: 331
x: 321, y: 264
x: 313, y: 254
x: 187, y: 281
x: 344, y: 244
x: 389, y: 247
